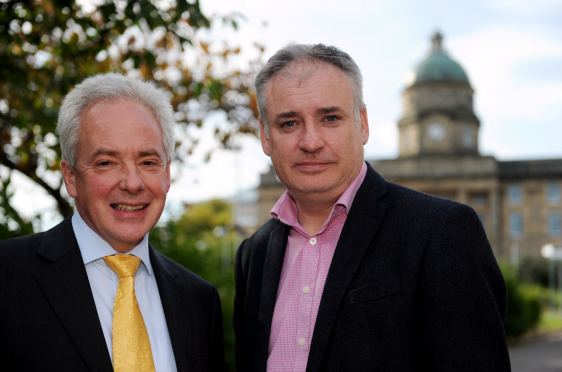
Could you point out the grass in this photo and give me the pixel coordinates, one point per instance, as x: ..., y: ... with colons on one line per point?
x: 550, y: 321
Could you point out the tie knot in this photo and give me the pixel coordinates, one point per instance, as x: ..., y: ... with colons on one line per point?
x: 123, y: 264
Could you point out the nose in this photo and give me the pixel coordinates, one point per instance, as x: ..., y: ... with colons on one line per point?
x: 312, y: 139
x: 132, y: 180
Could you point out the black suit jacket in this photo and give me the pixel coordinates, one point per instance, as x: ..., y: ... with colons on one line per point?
x: 48, y: 318
x: 413, y: 286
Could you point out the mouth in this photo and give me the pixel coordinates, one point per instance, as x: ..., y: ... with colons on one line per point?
x: 128, y: 208
x: 312, y: 166
x: 310, y: 163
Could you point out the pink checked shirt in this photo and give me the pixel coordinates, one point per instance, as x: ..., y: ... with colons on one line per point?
x: 305, y: 268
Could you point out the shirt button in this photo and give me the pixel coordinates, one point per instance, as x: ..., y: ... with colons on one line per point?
x: 306, y: 289
x: 313, y: 241
x: 302, y: 341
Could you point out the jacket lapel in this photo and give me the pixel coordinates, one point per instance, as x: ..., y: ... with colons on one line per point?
x: 270, y: 281
x: 360, y: 227
x: 61, y: 274
x: 174, y: 309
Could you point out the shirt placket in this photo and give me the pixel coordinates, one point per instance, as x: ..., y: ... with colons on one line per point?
x: 307, y: 285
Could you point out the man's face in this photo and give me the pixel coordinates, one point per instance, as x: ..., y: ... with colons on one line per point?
x: 314, y: 142
x: 121, y: 176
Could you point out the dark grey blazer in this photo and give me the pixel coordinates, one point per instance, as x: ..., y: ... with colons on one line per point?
x: 413, y: 286
x: 48, y: 318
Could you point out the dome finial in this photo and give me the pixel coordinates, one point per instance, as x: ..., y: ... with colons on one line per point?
x: 436, y: 39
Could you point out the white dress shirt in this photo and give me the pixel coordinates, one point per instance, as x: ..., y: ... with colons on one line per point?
x: 103, y: 282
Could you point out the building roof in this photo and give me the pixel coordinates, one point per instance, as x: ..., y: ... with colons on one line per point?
x: 437, y: 66
x: 530, y: 168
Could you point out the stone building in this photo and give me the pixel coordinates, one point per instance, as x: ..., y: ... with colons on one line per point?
x: 518, y: 202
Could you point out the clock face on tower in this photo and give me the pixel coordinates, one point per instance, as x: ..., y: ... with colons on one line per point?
x: 436, y: 131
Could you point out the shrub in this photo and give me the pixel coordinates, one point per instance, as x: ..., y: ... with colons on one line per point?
x: 191, y: 242
x: 534, y: 269
x: 524, y: 304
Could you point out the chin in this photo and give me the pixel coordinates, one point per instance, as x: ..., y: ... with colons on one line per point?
x: 132, y: 232
x: 314, y: 184
x: 309, y: 189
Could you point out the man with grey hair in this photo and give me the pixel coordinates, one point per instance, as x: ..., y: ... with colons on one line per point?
x: 354, y: 273
x: 91, y: 294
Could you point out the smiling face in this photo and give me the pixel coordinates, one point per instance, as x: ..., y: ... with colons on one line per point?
x: 121, y: 176
x: 315, y: 144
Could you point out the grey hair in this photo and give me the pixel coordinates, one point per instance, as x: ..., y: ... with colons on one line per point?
x: 301, y: 53
x: 111, y: 87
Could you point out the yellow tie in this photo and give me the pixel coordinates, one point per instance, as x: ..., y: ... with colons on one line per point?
x: 131, y: 345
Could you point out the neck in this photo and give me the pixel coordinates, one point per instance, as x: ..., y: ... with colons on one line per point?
x: 123, y: 247
x: 118, y: 246
x: 313, y: 213
x: 314, y: 209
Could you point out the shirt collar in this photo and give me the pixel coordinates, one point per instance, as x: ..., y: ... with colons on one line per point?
x: 286, y: 210
x: 93, y: 247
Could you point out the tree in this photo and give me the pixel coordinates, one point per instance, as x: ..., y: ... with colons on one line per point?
x: 204, y: 240
x: 48, y: 46
x: 11, y: 224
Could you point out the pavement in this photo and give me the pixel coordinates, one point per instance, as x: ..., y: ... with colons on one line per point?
x: 541, y: 354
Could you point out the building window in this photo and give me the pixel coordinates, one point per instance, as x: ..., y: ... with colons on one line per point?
x: 478, y: 199
x: 516, y: 224
x: 553, y: 192
x: 554, y: 227
x: 514, y: 194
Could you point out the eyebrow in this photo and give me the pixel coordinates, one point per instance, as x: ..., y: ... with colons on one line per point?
x: 287, y: 115
x: 101, y: 152
x: 327, y: 110
x: 321, y: 111
x: 142, y: 154
x: 146, y: 153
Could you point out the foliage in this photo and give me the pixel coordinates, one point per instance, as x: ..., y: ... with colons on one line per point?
x: 11, y: 224
x: 534, y: 269
x: 203, y: 240
x: 48, y: 46
x: 524, y: 304
x: 550, y: 321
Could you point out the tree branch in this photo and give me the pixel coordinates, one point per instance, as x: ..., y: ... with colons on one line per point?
x: 63, y: 205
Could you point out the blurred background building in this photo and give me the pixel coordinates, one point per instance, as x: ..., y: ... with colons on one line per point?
x: 518, y: 202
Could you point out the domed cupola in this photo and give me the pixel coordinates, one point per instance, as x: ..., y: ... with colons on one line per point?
x: 438, y: 66
x: 438, y: 116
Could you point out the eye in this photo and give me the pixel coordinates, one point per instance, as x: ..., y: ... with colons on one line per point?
x: 288, y: 124
x: 332, y: 118
x: 104, y: 163
x: 149, y: 162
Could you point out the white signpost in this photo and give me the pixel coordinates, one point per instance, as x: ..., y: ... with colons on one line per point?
x: 553, y: 254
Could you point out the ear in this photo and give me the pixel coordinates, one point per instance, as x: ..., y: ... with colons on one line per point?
x: 69, y: 176
x: 168, y: 175
x: 364, y: 126
x: 264, y: 140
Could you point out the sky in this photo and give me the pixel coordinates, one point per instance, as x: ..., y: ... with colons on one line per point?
x: 510, y: 49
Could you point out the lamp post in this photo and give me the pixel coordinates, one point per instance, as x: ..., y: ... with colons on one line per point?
x: 553, y: 254
x: 220, y: 232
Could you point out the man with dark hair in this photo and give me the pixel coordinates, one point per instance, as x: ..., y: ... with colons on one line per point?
x: 91, y: 294
x: 354, y: 273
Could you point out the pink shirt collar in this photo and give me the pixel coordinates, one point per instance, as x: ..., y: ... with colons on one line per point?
x: 286, y: 210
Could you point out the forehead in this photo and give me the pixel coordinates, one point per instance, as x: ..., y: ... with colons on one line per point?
x: 123, y: 123
x: 107, y: 109
x: 310, y: 82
